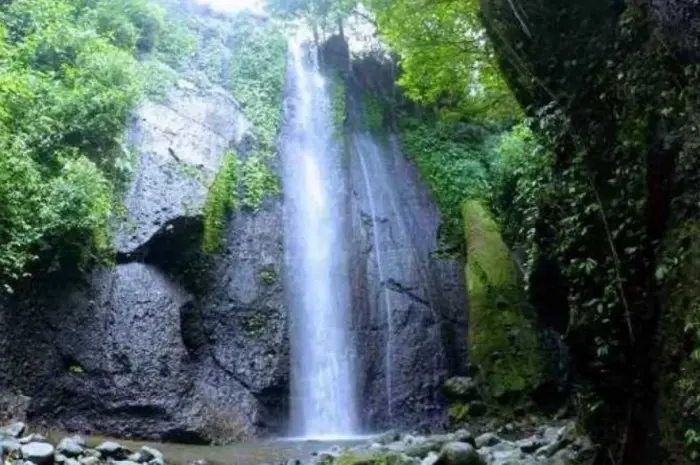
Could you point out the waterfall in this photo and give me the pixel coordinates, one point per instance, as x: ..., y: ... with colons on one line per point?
x: 323, y: 402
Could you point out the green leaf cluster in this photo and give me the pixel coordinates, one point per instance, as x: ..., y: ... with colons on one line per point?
x: 221, y: 199
x: 258, y: 73
x: 444, y: 56
x: 454, y: 160
x: 320, y: 15
x: 68, y: 79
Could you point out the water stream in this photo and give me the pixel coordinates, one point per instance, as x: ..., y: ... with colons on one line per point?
x: 323, y: 402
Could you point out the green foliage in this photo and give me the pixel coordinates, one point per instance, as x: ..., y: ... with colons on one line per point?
x: 257, y: 181
x: 338, y: 100
x: 444, y: 56
x: 257, y: 76
x: 503, y: 341
x: 157, y: 78
x: 619, y: 176
x: 373, y: 114
x: 177, y: 44
x: 454, y: 160
x: 221, y: 199
x: 257, y: 81
x: 320, y: 15
x: 458, y: 413
x: 268, y: 276
x: 256, y: 323
x: 520, y: 181
x: 69, y: 78
x: 680, y: 329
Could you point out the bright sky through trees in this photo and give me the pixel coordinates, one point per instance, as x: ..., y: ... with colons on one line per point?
x: 235, y: 5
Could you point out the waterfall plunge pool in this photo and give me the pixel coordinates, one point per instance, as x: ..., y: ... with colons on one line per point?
x: 270, y: 451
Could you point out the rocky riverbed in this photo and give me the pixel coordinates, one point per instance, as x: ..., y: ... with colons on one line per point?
x: 510, y: 444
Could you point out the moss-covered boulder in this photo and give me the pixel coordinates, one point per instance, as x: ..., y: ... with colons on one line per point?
x: 503, y: 339
x: 374, y: 458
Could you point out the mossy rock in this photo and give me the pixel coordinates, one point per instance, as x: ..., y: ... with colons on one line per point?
x: 503, y: 341
x: 679, y: 340
x: 378, y: 458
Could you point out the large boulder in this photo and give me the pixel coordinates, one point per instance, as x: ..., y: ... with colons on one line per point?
x: 39, y: 453
x: 503, y: 338
x: 459, y: 453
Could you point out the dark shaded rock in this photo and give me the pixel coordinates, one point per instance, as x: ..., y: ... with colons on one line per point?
x: 561, y: 457
x: 459, y: 453
x: 39, y: 453
x: 148, y: 453
x: 124, y: 462
x: 477, y: 409
x: 529, y: 445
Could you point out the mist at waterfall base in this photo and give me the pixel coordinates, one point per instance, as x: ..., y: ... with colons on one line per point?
x: 323, y: 399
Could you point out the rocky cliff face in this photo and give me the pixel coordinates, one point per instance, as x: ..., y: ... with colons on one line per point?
x: 409, y: 301
x: 165, y: 342
x: 169, y: 344
x: 408, y: 305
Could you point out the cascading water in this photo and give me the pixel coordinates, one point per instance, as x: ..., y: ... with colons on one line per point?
x: 323, y: 400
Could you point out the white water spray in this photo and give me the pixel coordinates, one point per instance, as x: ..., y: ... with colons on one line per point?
x: 323, y: 400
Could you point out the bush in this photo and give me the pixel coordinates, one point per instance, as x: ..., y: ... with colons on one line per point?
x: 69, y: 80
x: 220, y: 200
x: 453, y: 159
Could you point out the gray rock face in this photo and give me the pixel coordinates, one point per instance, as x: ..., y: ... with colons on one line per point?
x: 180, y: 143
x: 166, y: 344
x: 409, y: 306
